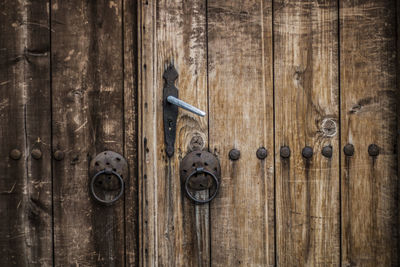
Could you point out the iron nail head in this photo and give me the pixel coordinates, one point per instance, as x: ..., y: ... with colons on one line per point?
x: 234, y: 154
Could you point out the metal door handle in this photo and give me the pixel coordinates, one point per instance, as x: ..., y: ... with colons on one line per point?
x: 182, y: 104
x: 171, y: 102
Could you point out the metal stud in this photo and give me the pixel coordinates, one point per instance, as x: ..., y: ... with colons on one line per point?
x: 373, y: 150
x: 261, y: 153
x: 36, y: 153
x: 348, y: 150
x: 58, y: 155
x: 307, y: 152
x: 285, y: 152
x: 327, y: 151
x: 15, y: 154
x: 234, y: 154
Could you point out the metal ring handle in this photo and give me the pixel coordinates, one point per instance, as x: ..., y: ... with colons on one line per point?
x: 196, y: 200
x: 107, y: 202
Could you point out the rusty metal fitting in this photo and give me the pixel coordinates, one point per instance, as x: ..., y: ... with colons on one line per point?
x: 285, y: 152
x: 15, y: 154
x: 261, y: 153
x: 307, y: 152
x: 348, y: 150
x: 36, y: 153
x: 373, y: 150
x: 234, y: 154
x: 59, y: 155
x: 327, y: 151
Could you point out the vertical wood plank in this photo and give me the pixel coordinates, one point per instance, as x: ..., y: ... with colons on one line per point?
x: 241, y: 117
x: 306, y: 114
x: 130, y: 44
x: 25, y: 184
x: 370, y: 185
x: 88, y: 117
x: 173, y: 232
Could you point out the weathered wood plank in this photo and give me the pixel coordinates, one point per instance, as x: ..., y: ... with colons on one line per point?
x: 130, y: 134
x: 306, y: 114
x: 88, y: 117
x: 25, y: 184
x: 370, y: 185
x: 241, y: 117
x: 173, y: 231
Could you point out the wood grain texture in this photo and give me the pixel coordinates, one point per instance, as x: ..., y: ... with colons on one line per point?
x: 173, y: 232
x: 88, y: 118
x: 25, y: 184
x: 370, y: 185
x: 306, y: 114
x: 241, y: 117
x: 130, y: 44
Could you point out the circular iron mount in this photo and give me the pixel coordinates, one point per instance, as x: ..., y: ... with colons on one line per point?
x: 200, y: 170
x: 190, y: 195
x: 107, y: 170
x: 104, y: 201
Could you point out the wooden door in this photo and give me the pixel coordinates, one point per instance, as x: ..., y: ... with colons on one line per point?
x: 315, y: 83
x: 288, y: 76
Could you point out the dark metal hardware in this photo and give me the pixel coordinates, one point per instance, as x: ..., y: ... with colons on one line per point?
x: 348, y: 150
x: 170, y: 105
x: 15, y: 154
x: 200, y: 170
x: 234, y: 154
x: 261, y: 153
x: 285, y: 152
x: 327, y: 151
x: 36, y: 153
x: 107, y: 171
x: 307, y: 152
x: 58, y: 155
x: 373, y: 150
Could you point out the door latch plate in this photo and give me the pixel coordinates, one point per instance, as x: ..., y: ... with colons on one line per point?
x: 107, y: 171
x: 200, y: 170
x: 170, y: 114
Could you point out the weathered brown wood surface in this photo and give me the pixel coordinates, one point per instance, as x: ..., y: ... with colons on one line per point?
x: 306, y: 114
x: 370, y: 185
x: 88, y: 118
x: 75, y: 78
x: 130, y: 102
x: 241, y: 117
x: 174, y: 232
x: 25, y: 183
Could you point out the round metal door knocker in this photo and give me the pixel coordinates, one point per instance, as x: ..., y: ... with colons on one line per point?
x: 200, y: 171
x: 107, y: 171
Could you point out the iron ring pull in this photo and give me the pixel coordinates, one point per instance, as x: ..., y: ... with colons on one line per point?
x: 111, y: 201
x: 196, y: 200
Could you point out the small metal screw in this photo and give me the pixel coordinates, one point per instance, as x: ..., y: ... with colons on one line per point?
x: 348, y: 150
x: 285, y: 152
x: 327, y: 151
x: 307, y: 152
x: 59, y: 155
x: 373, y: 150
x: 36, y: 153
x: 234, y: 154
x: 261, y: 153
x: 15, y: 154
